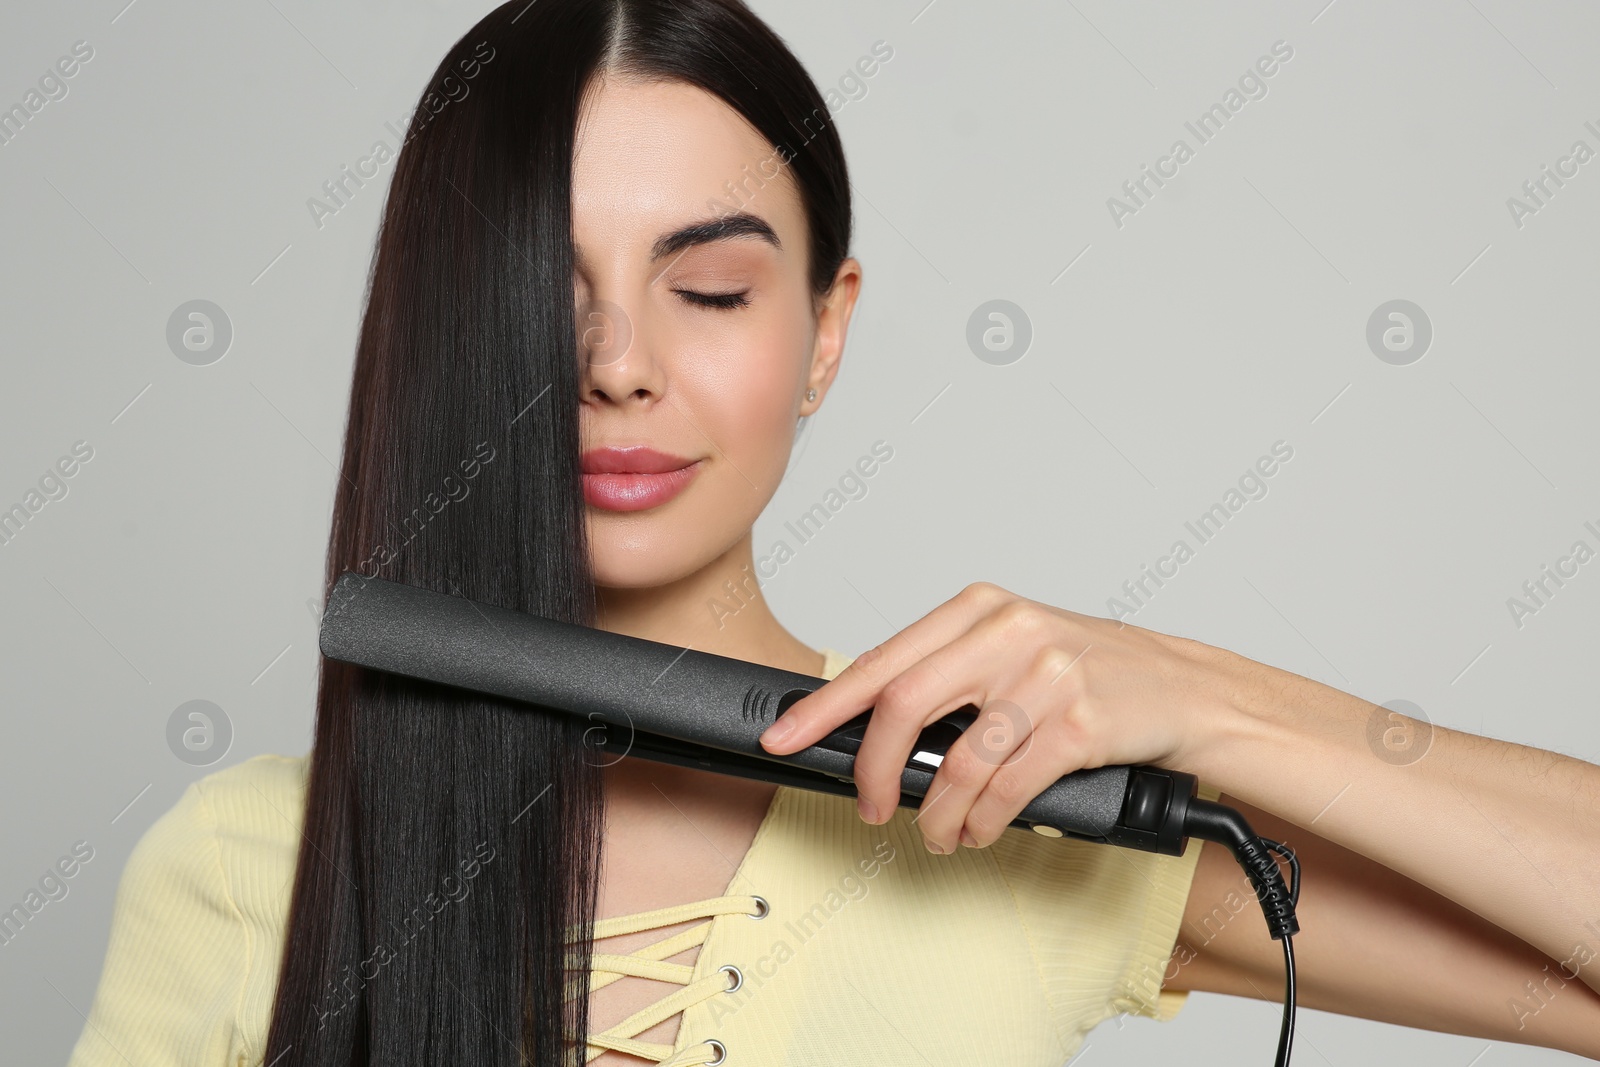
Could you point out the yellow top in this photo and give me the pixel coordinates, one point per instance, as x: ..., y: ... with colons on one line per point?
x: 849, y: 939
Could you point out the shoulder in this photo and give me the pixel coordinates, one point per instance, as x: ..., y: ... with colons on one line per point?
x: 254, y: 812
x: 259, y: 802
x: 192, y: 897
x: 247, y: 817
x: 263, y: 796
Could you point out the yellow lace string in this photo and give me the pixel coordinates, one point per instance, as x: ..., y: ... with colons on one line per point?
x: 649, y: 961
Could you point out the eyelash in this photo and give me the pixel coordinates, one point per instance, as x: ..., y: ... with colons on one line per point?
x: 720, y: 301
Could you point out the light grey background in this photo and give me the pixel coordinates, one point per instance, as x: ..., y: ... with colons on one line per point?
x: 1167, y: 354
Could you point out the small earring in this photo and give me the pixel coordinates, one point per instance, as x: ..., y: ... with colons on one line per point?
x: 811, y: 394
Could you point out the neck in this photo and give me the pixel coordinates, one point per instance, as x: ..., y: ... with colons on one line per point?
x: 719, y: 609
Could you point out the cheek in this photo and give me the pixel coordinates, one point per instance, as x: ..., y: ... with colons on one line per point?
x: 746, y: 394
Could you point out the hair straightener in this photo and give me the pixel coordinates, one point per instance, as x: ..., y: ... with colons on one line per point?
x: 696, y: 709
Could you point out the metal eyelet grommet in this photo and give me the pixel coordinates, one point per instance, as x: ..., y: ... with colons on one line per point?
x: 761, y: 902
x: 722, y: 1051
x: 738, y: 976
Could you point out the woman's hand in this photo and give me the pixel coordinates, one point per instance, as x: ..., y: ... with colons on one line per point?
x: 1059, y: 692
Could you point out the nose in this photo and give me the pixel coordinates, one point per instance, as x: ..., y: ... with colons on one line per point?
x: 617, y: 363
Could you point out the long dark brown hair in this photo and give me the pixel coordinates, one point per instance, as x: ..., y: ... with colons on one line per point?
x: 450, y: 841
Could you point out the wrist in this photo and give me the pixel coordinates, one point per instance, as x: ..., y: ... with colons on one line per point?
x: 1234, y: 716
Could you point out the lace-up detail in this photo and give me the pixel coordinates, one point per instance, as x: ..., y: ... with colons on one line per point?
x: 649, y: 961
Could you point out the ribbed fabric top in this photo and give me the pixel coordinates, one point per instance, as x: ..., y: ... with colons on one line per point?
x: 863, y: 947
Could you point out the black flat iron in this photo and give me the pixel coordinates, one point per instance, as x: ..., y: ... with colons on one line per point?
x: 697, y: 709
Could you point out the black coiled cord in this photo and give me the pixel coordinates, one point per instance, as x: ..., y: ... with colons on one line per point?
x: 1210, y: 821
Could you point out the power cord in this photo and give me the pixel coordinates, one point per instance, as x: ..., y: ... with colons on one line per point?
x: 1210, y: 821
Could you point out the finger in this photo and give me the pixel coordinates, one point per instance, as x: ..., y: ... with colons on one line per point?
x: 1059, y: 743
x: 859, y: 685
x: 975, y: 671
x: 1002, y: 731
x: 1050, y: 755
x: 967, y: 670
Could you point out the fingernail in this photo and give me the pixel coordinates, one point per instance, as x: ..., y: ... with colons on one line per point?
x: 967, y: 839
x: 933, y: 846
x: 869, y: 811
x: 777, y: 732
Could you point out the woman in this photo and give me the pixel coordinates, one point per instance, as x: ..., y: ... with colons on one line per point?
x: 420, y: 888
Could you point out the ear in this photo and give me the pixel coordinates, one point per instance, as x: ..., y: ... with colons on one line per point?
x: 833, y: 324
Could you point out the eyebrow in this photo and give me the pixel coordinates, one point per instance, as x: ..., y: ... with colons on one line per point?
x: 723, y: 227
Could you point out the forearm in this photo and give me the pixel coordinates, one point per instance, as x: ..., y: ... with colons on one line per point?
x: 1508, y: 831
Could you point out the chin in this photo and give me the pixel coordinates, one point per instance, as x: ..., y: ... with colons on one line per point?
x: 631, y: 562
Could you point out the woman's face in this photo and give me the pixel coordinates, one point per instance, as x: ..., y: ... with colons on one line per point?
x: 718, y: 387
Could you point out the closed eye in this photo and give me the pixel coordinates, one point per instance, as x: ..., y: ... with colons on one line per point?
x: 725, y: 301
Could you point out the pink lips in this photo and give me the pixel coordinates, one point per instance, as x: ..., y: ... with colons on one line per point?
x: 634, y: 478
